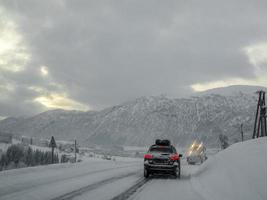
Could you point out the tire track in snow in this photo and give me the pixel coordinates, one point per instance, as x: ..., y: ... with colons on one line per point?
x: 139, y: 185
x: 132, y: 190
x: 168, y: 187
x: 90, y: 187
x: 32, y: 185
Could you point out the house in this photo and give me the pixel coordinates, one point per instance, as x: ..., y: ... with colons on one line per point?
x: 5, y: 138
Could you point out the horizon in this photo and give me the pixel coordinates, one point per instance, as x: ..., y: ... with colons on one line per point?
x: 200, y: 93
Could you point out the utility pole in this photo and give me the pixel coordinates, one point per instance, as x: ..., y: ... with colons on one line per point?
x: 242, y: 133
x: 75, y: 149
x: 260, y: 129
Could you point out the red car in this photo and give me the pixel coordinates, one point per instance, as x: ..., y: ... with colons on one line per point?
x: 162, y: 158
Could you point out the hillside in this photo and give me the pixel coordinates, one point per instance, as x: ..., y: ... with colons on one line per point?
x: 140, y: 121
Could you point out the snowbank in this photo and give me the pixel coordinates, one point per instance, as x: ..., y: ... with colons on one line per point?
x: 239, y: 172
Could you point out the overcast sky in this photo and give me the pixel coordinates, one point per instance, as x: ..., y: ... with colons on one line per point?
x: 87, y: 55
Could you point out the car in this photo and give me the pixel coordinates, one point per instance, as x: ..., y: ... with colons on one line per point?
x: 106, y: 157
x: 196, y: 153
x: 162, y: 158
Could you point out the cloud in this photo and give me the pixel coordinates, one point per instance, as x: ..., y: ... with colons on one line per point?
x: 26, y: 86
x: 257, y: 55
x: 55, y: 101
x: 13, y: 52
x: 44, y: 70
x: 101, y: 53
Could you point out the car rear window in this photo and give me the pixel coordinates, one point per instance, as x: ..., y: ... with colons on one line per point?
x: 161, y: 149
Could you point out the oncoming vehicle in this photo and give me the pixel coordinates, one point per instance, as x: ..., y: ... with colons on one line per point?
x: 162, y: 158
x: 196, y: 153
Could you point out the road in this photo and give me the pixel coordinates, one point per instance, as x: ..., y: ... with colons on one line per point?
x: 159, y: 188
x: 221, y: 177
x: 92, y: 180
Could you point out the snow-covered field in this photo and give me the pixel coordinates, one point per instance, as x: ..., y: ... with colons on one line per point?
x: 237, y: 173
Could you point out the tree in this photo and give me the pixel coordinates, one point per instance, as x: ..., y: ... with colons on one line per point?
x: 3, y: 162
x: 64, y: 158
x: 37, y: 156
x: 15, y: 153
x: 18, y: 156
x: 42, y: 158
x: 29, y: 157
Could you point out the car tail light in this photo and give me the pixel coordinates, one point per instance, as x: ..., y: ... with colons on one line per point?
x: 148, y: 156
x: 174, y: 157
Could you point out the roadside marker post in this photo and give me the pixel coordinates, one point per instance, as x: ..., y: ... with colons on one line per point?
x: 53, y: 145
x: 242, y: 133
x: 75, y: 149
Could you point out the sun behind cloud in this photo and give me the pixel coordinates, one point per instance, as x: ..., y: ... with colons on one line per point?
x: 60, y: 101
x: 44, y: 70
x: 14, y: 54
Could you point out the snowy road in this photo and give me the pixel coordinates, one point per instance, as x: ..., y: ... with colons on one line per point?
x: 67, y: 181
x: 98, y: 180
x: 221, y: 177
x: 166, y: 187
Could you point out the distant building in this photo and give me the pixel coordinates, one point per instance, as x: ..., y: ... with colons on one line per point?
x: 5, y: 138
x: 66, y: 147
x: 26, y: 140
x: 42, y: 143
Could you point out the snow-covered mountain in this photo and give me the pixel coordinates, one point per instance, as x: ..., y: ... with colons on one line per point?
x: 141, y: 121
x: 233, y: 90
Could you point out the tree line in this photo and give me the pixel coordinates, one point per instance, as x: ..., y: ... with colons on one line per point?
x: 18, y: 156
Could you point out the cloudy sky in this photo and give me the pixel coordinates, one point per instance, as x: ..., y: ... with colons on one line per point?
x: 87, y: 55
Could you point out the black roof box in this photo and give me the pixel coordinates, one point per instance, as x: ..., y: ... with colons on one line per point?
x: 163, y: 142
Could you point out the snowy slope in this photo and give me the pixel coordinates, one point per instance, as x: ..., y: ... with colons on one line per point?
x: 237, y: 173
x: 141, y: 121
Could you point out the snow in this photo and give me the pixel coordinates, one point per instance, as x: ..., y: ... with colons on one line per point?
x: 110, y: 190
x: 167, y: 187
x: 46, y: 182
x: 4, y: 147
x: 238, y: 172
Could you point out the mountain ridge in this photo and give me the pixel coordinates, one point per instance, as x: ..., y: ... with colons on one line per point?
x: 140, y: 121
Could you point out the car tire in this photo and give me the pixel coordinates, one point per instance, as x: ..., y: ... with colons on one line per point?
x: 179, y: 173
x: 146, y: 173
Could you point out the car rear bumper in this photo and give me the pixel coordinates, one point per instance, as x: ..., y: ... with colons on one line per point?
x: 160, y: 168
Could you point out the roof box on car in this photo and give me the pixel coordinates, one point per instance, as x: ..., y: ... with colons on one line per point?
x: 163, y: 142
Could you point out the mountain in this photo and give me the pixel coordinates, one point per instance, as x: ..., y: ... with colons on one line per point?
x: 233, y: 90
x: 141, y: 121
